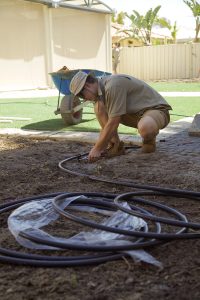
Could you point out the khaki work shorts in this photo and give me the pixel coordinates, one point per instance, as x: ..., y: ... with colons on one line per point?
x: 160, y: 116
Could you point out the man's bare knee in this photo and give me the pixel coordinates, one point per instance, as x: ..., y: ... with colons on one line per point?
x: 148, y: 128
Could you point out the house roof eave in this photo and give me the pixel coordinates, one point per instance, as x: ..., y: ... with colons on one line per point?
x: 84, y: 5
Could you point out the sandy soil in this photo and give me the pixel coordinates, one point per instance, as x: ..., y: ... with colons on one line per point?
x: 30, y: 168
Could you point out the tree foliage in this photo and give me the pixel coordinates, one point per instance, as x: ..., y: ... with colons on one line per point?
x: 172, y: 28
x: 118, y: 18
x: 195, y: 8
x: 141, y: 26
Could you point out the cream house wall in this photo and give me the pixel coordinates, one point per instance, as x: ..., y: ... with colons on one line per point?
x: 36, y: 40
x: 22, y: 45
x: 81, y: 39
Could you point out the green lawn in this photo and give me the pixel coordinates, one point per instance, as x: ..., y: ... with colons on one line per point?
x: 41, y: 112
x: 175, y: 86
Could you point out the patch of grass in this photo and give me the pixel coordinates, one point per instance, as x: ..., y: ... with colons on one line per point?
x: 41, y: 112
x: 175, y: 86
x: 38, y: 109
x: 183, y: 107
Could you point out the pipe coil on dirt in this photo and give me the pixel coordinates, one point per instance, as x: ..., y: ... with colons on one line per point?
x: 10, y: 256
x: 21, y: 258
x: 142, y: 239
x: 94, y: 247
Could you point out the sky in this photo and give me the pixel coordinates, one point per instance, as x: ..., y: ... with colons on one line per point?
x: 173, y: 10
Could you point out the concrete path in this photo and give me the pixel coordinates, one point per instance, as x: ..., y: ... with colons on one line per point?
x: 91, y: 137
x: 54, y: 92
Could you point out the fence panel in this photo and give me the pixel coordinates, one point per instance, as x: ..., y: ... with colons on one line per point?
x: 195, y: 53
x: 164, y: 62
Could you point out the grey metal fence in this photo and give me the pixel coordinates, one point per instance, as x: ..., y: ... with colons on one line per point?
x: 164, y: 62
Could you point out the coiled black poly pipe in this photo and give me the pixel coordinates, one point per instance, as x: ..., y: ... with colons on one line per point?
x: 158, y: 235
x: 145, y: 238
x: 132, y: 197
x: 94, y: 247
x: 20, y: 258
x: 87, y: 222
x: 9, y: 256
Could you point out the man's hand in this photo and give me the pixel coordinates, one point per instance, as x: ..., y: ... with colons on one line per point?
x: 115, y: 149
x: 108, y: 134
x: 94, y: 155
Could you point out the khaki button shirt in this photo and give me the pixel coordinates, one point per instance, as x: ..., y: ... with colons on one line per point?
x: 124, y: 94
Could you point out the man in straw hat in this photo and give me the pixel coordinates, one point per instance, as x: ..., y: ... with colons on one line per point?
x: 122, y: 99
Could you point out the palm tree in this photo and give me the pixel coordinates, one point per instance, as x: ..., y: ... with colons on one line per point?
x: 174, y: 31
x: 195, y: 8
x: 163, y: 22
x: 141, y: 26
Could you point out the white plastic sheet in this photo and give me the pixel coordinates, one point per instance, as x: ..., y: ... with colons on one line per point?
x: 32, y: 216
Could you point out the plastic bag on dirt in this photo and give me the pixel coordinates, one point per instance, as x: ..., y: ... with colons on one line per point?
x: 34, y: 215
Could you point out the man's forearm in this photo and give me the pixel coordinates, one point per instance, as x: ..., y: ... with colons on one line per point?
x: 101, y: 113
x: 108, y: 133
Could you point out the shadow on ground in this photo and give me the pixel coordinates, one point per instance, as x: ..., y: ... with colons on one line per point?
x: 57, y: 124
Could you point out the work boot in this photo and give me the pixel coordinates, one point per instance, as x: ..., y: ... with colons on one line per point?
x: 115, y: 150
x: 149, y: 146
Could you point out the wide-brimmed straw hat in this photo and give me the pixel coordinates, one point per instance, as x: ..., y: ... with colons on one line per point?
x: 78, y: 82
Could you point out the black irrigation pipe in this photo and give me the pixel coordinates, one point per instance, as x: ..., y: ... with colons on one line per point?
x: 108, y: 201
x: 9, y: 256
x: 153, y: 238
x: 94, y: 247
x: 181, y: 115
x: 142, y: 234
x: 21, y: 258
x: 131, y: 196
x: 79, y: 157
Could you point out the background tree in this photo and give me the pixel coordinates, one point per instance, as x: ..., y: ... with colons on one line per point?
x: 118, y: 18
x: 195, y: 8
x: 141, y: 26
x: 163, y: 22
x: 174, y: 31
x: 113, y: 16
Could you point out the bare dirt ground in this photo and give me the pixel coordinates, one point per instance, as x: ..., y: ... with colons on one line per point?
x: 30, y: 168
